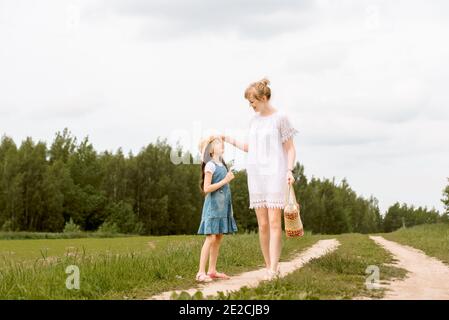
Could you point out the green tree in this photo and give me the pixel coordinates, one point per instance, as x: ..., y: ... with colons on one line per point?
x: 121, y: 215
x: 63, y: 146
x: 245, y: 218
x: 11, y: 181
x: 445, y: 200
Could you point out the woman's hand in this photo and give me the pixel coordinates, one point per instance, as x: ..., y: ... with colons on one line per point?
x: 229, y: 177
x: 290, y: 177
x: 240, y: 145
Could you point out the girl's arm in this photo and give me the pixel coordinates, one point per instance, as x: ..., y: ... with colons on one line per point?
x: 289, y: 147
x: 208, y: 187
x: 241, y: 145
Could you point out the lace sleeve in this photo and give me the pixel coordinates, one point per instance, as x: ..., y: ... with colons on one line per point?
x: 286, y: 128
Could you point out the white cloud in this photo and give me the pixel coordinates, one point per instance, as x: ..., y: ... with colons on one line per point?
x: 177, y: 18
x: 364, y: 81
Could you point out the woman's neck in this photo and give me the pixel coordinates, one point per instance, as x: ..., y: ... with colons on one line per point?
x: 216, y: 158
x: 268, y: 110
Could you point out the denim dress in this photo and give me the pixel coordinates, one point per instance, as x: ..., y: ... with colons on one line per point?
x: 217, y: 216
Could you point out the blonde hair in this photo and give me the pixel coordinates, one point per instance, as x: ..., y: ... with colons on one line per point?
x: 258, y: 89
x: 203, y: 146
x: 204, y: 143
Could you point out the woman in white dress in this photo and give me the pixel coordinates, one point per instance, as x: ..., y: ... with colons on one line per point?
x: 270, y: 161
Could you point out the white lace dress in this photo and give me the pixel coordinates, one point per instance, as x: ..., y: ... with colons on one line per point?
x: 267, y: 160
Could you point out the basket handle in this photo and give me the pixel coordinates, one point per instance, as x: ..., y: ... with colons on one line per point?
x: 289, y: 192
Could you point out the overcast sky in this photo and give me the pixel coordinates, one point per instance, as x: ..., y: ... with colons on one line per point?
x: 365, y: 82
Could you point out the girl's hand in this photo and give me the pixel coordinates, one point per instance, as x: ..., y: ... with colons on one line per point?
x: 229, y: 177
x: 231, y: 165
x: 290, y: 178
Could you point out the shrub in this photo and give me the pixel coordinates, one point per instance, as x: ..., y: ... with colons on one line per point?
x: 71, y: 227
x: 121, y: 215
x: 7, y: 226
x: 108, y: 227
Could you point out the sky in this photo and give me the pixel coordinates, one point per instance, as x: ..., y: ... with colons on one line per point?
x: 364, y: 82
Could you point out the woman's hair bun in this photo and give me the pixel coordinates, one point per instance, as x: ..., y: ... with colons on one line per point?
x: 265, y: 81
x: 259, y: 89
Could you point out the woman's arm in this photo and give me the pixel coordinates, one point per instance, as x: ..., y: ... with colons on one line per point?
x: 241, y: 145
x: 208, y: 187
x: 289, y: 147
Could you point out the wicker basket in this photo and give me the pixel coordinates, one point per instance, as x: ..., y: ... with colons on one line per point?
x: 292, y: 217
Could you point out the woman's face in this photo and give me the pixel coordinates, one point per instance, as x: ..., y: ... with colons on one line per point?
x: 257, y: 105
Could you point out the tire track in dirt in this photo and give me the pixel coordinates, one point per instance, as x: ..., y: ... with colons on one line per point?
x: 427, y: 278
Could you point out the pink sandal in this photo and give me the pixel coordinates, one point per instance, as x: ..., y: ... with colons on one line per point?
x: 202, y: 277
x: 219, y: 275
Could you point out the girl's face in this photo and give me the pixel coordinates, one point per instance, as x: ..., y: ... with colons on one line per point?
x: 218, y: 147
x: 257, y: 105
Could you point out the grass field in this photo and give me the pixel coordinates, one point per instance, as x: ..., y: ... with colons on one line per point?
x: 120, y: 268
x: 433, y: 239
x: 138, y: 267
x: 10, y: 235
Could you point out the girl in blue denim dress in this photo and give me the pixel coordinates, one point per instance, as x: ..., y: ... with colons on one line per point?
x: 217, y: 215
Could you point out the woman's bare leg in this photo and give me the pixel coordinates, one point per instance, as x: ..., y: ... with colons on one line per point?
x: 274, y: 215
x: 264, y: 234
x: 213, y: 256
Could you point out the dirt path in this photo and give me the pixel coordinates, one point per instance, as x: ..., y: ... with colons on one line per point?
x: 428, y: 278
x: 252, y: 278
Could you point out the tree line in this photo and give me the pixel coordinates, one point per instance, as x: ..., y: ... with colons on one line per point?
x: 68, y: 183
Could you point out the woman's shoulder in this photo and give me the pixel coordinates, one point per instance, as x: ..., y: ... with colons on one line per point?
x: 277, y: 117
x: 273, y: 116
x: 282, y: 114
x: 278, y: 114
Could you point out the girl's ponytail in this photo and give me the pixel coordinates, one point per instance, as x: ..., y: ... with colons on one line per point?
x: 224, y: 163
x: 203, y: 165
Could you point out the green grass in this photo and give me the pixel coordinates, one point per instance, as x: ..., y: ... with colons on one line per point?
x: 121, y: 268
x: 138, y: 267
x: 433, y: 239
x: 338, y: 275
x: 11, y: 235
x: 30, y: 250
